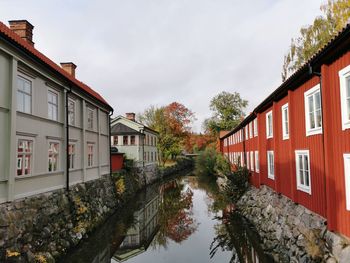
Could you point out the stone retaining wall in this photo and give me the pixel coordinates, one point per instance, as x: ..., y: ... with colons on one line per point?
x: 291, y: 233
x: 45, y: 226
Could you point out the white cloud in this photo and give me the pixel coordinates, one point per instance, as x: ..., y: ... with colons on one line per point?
x: 137, y: 53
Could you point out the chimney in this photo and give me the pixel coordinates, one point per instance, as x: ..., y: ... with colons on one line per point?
x: 24, y: 29
x: 69, y: 67
x: 130, y: 116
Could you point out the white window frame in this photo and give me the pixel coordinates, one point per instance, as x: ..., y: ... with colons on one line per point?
x: 285, y: 122
x: 57, y: 156
x: 344, y: 74
x: 90, y: 124
x: 307, y: 94
x: 268, y: 133
x: 247, y: 160
x: 25, y: 154
x: 250, y: 130
x: 255, y: 125
x: 90, y: 163
x: 52, y: 105
x: 72, y: 157
x: 252, y: 161
x: 24, y: 94
x: 71, y: 113
x: 346, y: 157
x: 300, y: 186
x: 257, y: 164
x: 270, y: 175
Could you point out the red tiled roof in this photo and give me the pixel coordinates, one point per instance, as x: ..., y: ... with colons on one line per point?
x: 38, y: 55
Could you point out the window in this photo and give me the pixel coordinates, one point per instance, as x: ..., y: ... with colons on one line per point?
x: 269, y: 127
x: 125, y: 140
x: 24, y: 95
x: 53, y: 156
x: 90, y: 153
x: 71, y: 112
x: 52, y: 105
x: 90, y: 118
x: 132, y: 139
x: 24, y: 157
x: 115, y: 140
x: 71, y: 156
x: 246, y: 132
x: 255, y: 124
x: 270, y: 165
x: 347, y: 179
x: 344, y: 78
x: 151, y: 156
x: 285, y: 121
x: 313, y: 112
x: 303, y: 171
x: 257, y: 165
x: 250, y: 130
x: 247, y: 159
x: 252, y: 161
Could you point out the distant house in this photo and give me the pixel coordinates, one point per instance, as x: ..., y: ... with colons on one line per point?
x: 54, y: 130
x: 137, y: 141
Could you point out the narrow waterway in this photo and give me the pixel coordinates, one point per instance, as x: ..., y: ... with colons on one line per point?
x: 181, y: 220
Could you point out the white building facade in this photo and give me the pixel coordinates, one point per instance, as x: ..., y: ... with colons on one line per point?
x: 54, y: 130
x: 137, y: 141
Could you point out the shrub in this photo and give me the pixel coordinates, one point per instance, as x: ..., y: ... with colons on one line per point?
x: 237, y: 183
x: 210, y: 162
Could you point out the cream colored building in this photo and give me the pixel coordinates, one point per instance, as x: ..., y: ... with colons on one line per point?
x: 38, y: 101
x: 137, y: 141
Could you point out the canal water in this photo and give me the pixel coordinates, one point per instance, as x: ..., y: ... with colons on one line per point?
x: 181, y: 220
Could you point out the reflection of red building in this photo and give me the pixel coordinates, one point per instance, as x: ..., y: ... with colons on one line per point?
x: 297, y: 141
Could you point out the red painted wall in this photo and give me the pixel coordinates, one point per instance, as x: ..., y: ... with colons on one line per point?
x: 117, y: 161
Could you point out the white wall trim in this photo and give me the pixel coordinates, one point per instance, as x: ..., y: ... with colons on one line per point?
x: 41, y: 191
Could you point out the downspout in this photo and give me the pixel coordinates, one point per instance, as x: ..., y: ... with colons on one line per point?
x: 109, y: 141
x: 318, y: 74
x: 67, y: 139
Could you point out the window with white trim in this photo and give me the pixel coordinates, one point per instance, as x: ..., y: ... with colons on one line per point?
x: 246, y: 133
x: 71, y: 156
x: 52, y: 105
x: 347, y: 179
x: 302, y: 159
x: 285, y: 121
x: 250, y: 130
x: 344, y: 79
x: 24, y: 157
x: 247, y: 159
x: 24, y: 95
x: 71, y: 111
x: 53, y: 153
x: 270, y: 165
x: 255, y: 125
x: 252, y: 161
x: 269, y: 125
x: 313, y: 111
x: 257, y: 165
x: 90, y: 154
x: 90, y: 118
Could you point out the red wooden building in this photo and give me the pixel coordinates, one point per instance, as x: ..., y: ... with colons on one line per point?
x: 297, y: 141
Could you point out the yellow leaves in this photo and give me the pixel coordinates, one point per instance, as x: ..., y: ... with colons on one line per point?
x: 40, y: 259
x: 120, y: 186
x: 10, y: 254
x: 81, y: 208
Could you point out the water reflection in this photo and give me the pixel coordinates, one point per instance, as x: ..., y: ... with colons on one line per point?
x: 172, y: 222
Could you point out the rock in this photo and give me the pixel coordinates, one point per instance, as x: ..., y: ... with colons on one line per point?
x: 344, y: 256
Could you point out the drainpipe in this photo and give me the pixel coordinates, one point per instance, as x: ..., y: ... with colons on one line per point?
x: 143, y: 148
x: 109, y: 141
x: 318, y: 74
x: 67, y: 137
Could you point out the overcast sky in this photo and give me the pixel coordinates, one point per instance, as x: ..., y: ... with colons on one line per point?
x: 137, y: 53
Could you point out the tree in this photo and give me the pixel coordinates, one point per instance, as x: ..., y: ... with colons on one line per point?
x: 228, y: 110
x: 173, y: 124
x: 336, y: 14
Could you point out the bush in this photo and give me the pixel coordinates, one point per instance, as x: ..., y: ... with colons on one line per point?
x: 237, y: 184
x: 210, y: 162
